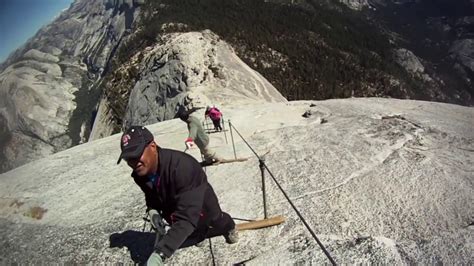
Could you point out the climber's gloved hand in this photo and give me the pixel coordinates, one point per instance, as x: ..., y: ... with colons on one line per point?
x: 154, y: 218
x: 155, y: 260
x: 189, y: 143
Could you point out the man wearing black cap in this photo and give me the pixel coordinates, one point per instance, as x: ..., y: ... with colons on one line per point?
x: 176, y: 187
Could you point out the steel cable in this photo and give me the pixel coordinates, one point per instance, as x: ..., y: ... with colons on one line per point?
x: 288, y: 198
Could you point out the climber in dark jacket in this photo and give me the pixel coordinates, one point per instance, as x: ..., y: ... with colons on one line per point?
x: 176, y: 187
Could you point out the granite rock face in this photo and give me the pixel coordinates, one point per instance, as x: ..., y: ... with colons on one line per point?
x: 355, y: 4
x: 383, y: 181
x: 409, y: 61
x: 49, y: 85
x: 412, y: 64
x: 192, y: 69
x: 463, y: 51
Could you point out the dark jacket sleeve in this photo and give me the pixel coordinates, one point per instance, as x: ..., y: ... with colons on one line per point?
x: 191, y: 186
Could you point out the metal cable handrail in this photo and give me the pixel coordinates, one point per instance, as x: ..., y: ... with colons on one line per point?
x: 286, y: 196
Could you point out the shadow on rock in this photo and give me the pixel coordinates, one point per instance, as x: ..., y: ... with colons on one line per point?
x: 140, y: 244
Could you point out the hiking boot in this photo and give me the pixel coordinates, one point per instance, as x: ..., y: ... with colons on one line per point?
x: 232, y: 236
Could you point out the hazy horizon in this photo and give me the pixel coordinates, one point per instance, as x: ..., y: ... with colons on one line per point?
x: 21, y: 19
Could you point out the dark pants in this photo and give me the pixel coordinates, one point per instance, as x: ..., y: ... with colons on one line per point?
x: 219, y: 227
x: 217, y: 124
x: 214, y: 221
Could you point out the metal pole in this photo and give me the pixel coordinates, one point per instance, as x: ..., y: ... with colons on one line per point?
x: 232, y: 137
x: 223, y: 129
x: 209, y: 125
x: 145, y: 220
x: 205, y: 125
x: 287, y: 198
x: 262, y: 170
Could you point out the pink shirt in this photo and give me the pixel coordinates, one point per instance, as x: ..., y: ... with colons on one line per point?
x: 214, y: 114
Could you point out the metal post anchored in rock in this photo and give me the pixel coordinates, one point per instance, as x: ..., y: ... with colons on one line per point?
x: 223, y: 129
x: 232, y: 137
x: 266, y: 222
x: 262, y: 171
x: 206, y: 126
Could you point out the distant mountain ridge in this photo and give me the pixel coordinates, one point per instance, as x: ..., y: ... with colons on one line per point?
x: 50, y: 86
x: 72, y: 81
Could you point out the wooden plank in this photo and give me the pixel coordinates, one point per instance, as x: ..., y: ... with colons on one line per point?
x: 261, y: 223
x: 233, y: 160
x: 204, y: 163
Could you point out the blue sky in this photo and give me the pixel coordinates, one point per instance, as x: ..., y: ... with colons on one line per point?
x: 21, y: 19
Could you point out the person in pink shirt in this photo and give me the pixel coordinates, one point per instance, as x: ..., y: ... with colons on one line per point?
x: 215, y: 115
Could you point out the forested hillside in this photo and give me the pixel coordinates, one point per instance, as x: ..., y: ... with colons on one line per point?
x: 307, y: 52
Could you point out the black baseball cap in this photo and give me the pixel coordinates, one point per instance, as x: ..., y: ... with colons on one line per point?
x: 133, y: 142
